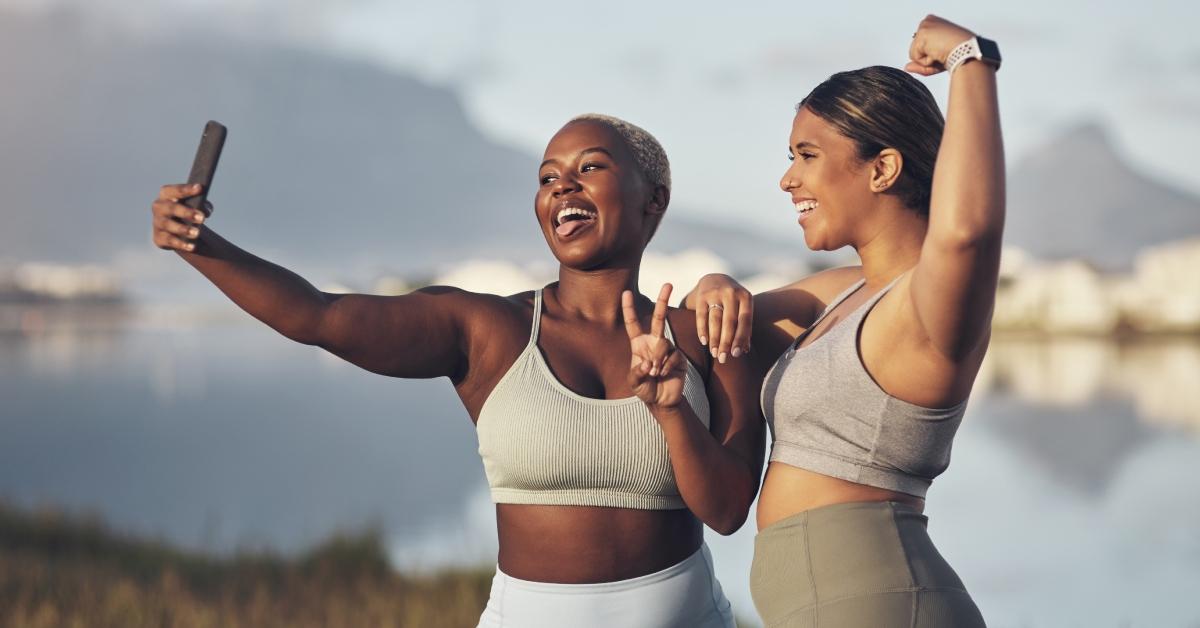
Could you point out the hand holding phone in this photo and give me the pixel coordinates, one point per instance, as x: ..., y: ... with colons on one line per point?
x: 180, y: 209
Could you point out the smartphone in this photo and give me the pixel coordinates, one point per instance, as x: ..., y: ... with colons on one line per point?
x: 205, y: 164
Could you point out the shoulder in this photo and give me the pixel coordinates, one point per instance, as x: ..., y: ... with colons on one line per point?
x: 453, y: 301
x: 817, y: 288
x: 476, y: 314
x: 491, y: 309
x: 797, y: 304
x: 782, y: 314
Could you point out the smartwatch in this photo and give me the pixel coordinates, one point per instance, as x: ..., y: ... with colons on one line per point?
x: 980, y: 48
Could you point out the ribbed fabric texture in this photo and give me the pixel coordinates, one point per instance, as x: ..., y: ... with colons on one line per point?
x: 542, y: 443
x: 827, y: 415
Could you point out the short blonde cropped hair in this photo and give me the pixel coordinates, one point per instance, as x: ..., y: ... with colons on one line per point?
x: 647, y: 150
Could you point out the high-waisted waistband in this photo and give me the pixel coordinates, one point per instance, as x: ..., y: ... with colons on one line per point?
x: 856, y: 564
x: 686, y: 594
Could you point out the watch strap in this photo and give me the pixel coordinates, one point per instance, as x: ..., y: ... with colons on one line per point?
x: 968, y: 50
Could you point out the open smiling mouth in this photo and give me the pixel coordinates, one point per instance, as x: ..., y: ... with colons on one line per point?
x: 804, y: 208
x: 571, y: 220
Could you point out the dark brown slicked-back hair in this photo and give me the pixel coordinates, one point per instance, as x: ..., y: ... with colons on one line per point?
x: 881, y: 107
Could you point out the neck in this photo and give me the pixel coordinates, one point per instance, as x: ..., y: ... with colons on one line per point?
x: 595, y: 295
x: 894, y: 248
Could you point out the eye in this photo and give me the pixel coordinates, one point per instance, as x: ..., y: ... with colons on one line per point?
x: 590, y: 166
x: 547, y: 179
x: 806, y: 156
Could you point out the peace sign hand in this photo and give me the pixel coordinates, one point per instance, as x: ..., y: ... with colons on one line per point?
x: 657, y: 367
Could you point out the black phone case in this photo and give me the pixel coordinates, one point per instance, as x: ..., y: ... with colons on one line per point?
x: 205, y: 164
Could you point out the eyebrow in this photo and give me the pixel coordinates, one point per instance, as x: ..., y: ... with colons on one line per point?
x: 594, y: 149
x: 804, y: 144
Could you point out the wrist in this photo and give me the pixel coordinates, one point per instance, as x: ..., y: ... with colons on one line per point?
x: 973, y: 48
x: 666, y: 412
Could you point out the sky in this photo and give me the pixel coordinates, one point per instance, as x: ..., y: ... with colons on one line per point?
x: 717, y: 82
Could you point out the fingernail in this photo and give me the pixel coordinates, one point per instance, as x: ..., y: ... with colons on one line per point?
x: 737, y: 352
x: 653, y: 371
x: 191, y: 247
x: 723, y: 356
x: 713, y: 352
x: 703, y: 340
x: 195, y: 232
x: 199, y: 217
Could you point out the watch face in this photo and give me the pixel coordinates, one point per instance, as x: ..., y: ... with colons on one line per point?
x: 989, y: 50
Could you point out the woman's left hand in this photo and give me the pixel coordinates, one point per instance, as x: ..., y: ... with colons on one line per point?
x: 932, y: 44
x: 657, y: 368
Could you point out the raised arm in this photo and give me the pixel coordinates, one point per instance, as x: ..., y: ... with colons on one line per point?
x: 953, y: 286
x: 717, y: 469
x: 416, y: 335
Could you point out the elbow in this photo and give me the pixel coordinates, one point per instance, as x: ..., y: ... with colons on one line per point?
x: 729, y: 526
x: 319, y: 327
x: 970, y: 235
x: 301, y: 334
x: 733, y: 517
x: 969, y: 223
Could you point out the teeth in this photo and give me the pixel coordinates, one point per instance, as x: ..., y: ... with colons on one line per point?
x: 572, y: 211
x: 806, y: 206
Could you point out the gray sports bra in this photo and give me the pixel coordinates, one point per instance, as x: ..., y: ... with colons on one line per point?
x: 543, y: 443
x: 827, y: 414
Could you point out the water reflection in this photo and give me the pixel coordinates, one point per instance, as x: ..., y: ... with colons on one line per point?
x: 218, y: 438
x: 1070, y: 500
x: 1159, y: 376
x: 1071, y: 497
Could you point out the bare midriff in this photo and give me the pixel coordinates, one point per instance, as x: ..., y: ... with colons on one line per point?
x: 586, y: 544
x: 789, y: 490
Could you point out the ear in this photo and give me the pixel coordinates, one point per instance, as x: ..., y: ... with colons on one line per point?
x: 659, y: 199
x: 885, y: 170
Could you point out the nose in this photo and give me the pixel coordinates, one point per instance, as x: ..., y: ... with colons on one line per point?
x: 789, y: 181
x: 565, y: 184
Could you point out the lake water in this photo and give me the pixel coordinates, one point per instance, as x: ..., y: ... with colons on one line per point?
x: 1073, y: 498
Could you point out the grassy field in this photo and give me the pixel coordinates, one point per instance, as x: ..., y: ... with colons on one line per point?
x: 66, y: 571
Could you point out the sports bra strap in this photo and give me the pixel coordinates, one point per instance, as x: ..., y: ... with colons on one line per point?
x: 537, y: 316
x: 537, y: 320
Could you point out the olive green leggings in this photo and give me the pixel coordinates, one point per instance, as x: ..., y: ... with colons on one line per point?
x: 856, y: 565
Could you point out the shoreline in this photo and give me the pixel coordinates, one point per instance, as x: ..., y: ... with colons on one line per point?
x: 59, y: 568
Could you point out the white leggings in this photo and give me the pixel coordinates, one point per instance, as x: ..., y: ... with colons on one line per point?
x: 684, y: 595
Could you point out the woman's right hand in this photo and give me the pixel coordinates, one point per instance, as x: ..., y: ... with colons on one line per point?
x: 177, y: 227
x: 932, y: 43
x: 724, y: 315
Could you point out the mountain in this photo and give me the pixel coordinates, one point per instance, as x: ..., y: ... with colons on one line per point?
x: 326, y: 158
x: 330, y: 163
x: 1077, y: 197
x: 340, y: 167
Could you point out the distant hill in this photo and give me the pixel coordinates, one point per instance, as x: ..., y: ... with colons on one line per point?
x: 1077, y: 197
x: 336, y: 163
x: 326, y: 159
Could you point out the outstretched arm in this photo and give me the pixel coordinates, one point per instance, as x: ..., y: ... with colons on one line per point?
x: 953, y: 286
x: 416, y: 335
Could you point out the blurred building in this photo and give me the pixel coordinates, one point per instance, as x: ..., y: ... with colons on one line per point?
x: 1161, y: 294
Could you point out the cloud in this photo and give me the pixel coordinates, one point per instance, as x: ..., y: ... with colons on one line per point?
x: 1192, y: 62
x: 296, y: 22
